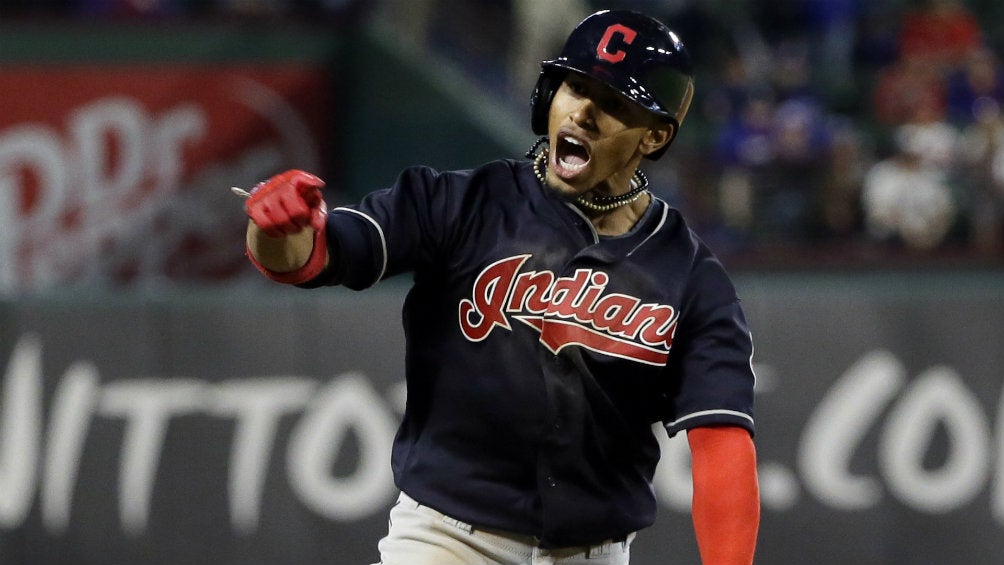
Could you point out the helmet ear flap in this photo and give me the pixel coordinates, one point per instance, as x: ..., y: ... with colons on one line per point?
x: 540, y: 101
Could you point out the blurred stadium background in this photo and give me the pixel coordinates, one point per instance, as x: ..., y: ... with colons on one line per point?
x: 163, y: 404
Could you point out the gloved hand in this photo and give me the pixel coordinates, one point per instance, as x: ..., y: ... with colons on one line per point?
x: 283, y: 206
x: 286, y: 203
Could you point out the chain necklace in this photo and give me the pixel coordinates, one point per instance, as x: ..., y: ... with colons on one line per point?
x: 639, y: 185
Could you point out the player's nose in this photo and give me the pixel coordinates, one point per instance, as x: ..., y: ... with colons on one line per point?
x: 584, y: 114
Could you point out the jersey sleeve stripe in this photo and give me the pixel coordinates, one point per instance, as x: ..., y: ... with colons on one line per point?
x: 679, y: 421
x: 383, y: 239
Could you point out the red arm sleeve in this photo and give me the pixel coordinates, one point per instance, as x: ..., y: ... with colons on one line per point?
x: 726, y: 506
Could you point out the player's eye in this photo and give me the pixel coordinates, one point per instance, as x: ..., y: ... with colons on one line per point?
x: 576, y: 85
x: 613, y: 105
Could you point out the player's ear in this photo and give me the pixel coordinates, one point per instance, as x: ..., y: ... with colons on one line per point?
x: 656, y: 137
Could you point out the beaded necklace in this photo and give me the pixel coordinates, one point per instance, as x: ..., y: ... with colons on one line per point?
x: 639, y: 185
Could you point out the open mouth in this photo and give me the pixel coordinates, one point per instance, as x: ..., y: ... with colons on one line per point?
x: 571, y: 155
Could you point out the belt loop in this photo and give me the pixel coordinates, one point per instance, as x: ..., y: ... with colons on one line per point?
x: 626, y: 541
x: 602, y: 550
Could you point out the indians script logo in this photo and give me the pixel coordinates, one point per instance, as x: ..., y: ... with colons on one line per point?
x: 568, y: 311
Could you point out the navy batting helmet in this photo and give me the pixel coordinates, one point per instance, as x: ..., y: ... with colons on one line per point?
x: 635, y: 54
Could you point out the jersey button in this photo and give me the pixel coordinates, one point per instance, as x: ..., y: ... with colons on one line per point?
x: 551, y: 482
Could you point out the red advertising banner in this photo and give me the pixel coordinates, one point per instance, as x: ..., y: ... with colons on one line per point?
x: 120, y: 174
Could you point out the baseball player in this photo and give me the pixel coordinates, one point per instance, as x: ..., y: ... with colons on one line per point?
x: 559, y: 309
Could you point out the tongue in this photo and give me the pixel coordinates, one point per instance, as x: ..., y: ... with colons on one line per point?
x: 573, y: 155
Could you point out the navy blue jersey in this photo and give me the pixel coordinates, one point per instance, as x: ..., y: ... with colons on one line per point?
x: 539, y: 354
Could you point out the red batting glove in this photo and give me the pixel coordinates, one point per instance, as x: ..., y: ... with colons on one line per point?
x: 286, y: 203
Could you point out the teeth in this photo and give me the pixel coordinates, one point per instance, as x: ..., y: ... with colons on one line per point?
x: 573, y: 141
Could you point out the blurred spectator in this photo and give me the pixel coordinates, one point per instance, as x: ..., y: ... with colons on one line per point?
x: 774, y: 160
x: 743, y: 151
x: 979, y: 80
x: 941, y: 33
x: 932, y: 136
x: 834, y: 19
x: 840, y: 212
x: 982, y: 150
x: 905, y: 87
x: 791, y: 76
x: 746, y: 140
x: 789, y: 196
x: 832, y: 30
x: 727, y: 94
x: 877, y: 36
x: 736, y: 206
x: 905, y: 199
x: 935, y: 40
